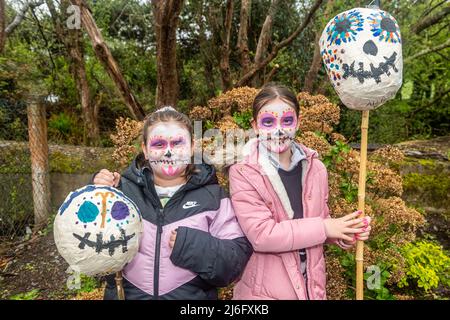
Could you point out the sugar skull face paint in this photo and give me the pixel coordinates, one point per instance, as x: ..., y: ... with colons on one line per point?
x: 168, y: 149
x: 277, y: 124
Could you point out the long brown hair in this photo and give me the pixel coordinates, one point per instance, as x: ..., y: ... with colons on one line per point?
x: 271, y: 92
x: 167, y: 114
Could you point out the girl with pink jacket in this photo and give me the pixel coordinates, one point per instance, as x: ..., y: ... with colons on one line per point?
x: 279, y: 192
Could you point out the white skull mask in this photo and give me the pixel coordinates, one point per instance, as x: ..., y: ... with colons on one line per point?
x: 362, y: 52
x: 97, y: 230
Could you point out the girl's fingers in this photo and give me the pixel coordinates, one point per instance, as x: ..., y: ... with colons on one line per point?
x: 364, y: 235
x: 352, y: 215
x: 105, y: 177
x: 347, y: 238
x: 353, y: 222
x: 102, y: 182
x: 361, y: 238
x: 353, y: 230
x: 116, y: 176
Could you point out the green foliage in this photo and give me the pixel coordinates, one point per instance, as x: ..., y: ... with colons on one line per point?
x: 349, y: 189
x: 65, y: 128
x: 427, y: 265
x: 432, y: 186
x: 88, y: 284
x: 382, y: 292
x: 348, y: 262
x: 334, y: 156
x: 243, y: 119
x: 30, y: 295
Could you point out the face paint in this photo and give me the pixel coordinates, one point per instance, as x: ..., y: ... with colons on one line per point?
x: 168, y: 149
x: 277, y: 125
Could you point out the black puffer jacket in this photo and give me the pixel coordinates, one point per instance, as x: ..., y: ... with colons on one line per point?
x: 210, y: 250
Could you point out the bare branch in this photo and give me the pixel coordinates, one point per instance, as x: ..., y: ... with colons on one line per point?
x: 104, y: 55
x: 21, y: 15
x: 428, y: 11
x: 444, y: 45
x: 266, y: 32
x: 250, y: 74
x: 430, y: 20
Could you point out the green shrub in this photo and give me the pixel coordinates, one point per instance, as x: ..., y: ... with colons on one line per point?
x: 30, y: 295
x: 243, y: 119
x: 65, y: 128
x: 427, y: 265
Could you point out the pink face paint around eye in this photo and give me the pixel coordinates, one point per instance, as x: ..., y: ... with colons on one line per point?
x: 267, y: 121
x: 288, y: 119
x: 178, y: 142
x: 157, y: 143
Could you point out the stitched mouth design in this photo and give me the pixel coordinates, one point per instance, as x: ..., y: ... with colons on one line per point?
x: 374, y: 73
x: 171, y: 162
x: 99, y: 245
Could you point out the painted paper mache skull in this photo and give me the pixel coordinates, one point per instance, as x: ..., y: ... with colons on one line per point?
x: 97, y: 230
x: 362, y: 52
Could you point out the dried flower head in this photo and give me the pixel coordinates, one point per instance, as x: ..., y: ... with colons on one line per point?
x: 318, y: 113
x: 315, y: 142
x: 238, y: 99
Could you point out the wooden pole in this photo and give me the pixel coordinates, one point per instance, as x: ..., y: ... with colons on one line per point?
x: 361, y: 200
x: 37, y: 132
x: 119, y: 285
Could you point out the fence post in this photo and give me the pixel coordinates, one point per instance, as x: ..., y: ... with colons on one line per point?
x: 37, y: 131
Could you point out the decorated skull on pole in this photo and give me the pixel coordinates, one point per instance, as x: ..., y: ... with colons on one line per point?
x: 362, y: 52
x: 97, y: 230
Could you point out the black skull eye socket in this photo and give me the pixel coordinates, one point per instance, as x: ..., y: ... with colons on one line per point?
x: 388, y: 25
x: 343, y: 26
x: 384, y: 27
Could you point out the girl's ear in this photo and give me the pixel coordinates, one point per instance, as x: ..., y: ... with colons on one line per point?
x: 144, y: 150
x: 254, y: 125
x: 298, y: 121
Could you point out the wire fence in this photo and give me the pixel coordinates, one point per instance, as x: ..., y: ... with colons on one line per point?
x: 24, y: 170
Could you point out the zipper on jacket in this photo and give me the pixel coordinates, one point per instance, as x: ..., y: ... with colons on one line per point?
x: 305, y: 171
x: 159, y: 230
x: 306, y: 277
x: 160, y: 220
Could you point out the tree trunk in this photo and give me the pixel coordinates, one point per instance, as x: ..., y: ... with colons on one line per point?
x: 78, y: 67
x: 248, y: 76
x: 166, y: 15
x: 208, y: 55
x: 242, y: 42
x: 104, y: 55
x: 73, y: 43
x: 264, y: 40
x: 225, y: 50
x: 315, y: 66
x: 2, y: 25
x: 316, y: 63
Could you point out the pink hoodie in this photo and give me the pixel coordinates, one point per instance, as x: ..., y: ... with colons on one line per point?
x: 263, y: 210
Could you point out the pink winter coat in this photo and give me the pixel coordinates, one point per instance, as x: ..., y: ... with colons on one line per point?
x: 263, y: 210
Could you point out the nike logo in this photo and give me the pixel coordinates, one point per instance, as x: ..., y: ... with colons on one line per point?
x: 190, y: 204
